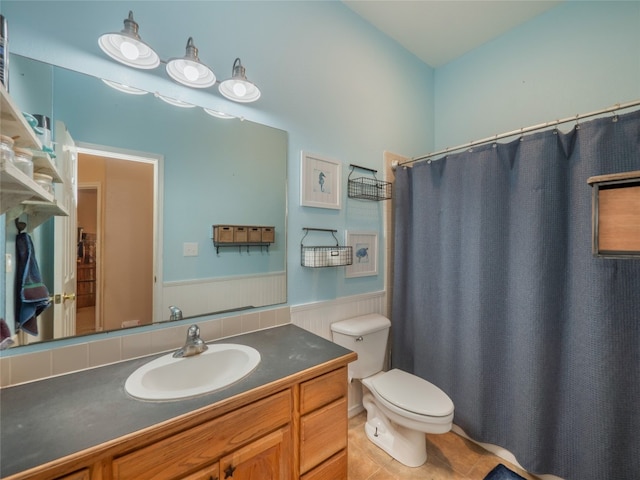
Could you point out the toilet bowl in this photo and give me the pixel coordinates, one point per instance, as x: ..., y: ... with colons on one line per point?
x: 401, y: 407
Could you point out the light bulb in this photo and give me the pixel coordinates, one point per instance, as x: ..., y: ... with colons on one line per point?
x: 191, y: 73
x: 129, y: 50
x: 239, y: 89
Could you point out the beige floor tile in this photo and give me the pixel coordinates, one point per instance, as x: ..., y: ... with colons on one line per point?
x: 449, y: 457
x: 456, y: 451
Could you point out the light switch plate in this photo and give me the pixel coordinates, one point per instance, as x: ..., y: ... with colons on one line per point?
x: 190, y: 249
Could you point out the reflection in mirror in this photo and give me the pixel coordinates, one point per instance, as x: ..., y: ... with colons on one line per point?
x: 208, y: 171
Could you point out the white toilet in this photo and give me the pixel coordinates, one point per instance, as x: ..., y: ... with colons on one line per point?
x: 401, y: 407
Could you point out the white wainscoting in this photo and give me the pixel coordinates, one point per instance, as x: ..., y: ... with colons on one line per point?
x: 204, y: 296
x: 317, y: 318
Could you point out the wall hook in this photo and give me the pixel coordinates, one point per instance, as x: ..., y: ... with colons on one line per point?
x: 21, y: 226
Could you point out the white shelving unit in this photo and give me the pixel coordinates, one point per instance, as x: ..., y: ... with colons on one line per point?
x: 18, y: 193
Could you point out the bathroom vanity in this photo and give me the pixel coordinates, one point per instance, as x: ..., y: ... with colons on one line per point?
x: 285, y: 420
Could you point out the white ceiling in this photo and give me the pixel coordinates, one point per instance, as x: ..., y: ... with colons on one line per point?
x: 438, y: 31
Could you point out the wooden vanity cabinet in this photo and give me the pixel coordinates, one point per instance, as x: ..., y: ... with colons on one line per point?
x: 241, y: 436
x: 293, y: 429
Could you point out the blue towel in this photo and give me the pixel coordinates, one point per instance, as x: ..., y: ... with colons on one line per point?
x: 32, y: 296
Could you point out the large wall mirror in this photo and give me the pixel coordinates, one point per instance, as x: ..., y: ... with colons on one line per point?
x: 141, y: 154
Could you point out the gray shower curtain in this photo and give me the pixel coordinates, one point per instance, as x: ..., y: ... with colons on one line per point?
x: 498, y: 300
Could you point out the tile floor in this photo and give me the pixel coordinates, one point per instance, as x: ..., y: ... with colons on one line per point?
x: 449, y: 457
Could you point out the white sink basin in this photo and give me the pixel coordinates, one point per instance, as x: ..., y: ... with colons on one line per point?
x: 168, y: 378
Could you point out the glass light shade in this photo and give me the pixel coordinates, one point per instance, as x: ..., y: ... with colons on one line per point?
x: 124, y: 88
x: 174, y: 102
x: 217, y: 114
x: 128, y: 48
x: 238, y: 88
x: 189, y: 71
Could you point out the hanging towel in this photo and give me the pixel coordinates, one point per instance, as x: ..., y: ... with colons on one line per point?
x: 32, y: 296
x: 5, y: 335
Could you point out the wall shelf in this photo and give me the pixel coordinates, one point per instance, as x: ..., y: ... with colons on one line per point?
x: 365, y: 188
x: 18, y: 192
x: 616, y: 215
x: 324, y: 256
x: 243, y: 236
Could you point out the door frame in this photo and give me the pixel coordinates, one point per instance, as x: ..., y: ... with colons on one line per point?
x: 97, y: 186
x: 157, y: 161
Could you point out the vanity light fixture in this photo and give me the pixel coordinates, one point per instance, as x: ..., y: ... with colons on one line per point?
x: 173, y: 101
x: 124, y: 88
x: 128, y: 48
x: 189, y: 70
x: 218, y: 114
x: 238, y: 88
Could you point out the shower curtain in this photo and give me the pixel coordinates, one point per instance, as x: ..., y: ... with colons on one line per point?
x: 498, y: 300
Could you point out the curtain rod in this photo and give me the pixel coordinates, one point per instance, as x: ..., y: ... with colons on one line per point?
x: 520, y: 131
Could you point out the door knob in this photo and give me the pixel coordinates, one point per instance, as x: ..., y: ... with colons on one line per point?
x: 68, y: 296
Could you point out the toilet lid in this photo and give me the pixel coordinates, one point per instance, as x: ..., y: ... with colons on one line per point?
x: 413, y: 393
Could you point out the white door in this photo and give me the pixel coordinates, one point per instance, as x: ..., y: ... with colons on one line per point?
x: 65, y: 237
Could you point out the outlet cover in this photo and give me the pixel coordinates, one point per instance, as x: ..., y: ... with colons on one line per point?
x: 190, y: 249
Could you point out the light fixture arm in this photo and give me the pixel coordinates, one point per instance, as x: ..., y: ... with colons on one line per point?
x: 131, y: 26
x: 191, y: 50
x: 238, y: 70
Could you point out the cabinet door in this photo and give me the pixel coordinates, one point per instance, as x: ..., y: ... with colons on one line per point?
x: 333, y: 469
x: 186, y: 451
x: 212, y: 472
x: 79, y: 475
x: 264, y: 459
x: 322, y: 434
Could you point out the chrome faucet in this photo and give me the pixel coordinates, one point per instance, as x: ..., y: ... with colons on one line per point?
x: 176, y: 313
x: 193, y: 345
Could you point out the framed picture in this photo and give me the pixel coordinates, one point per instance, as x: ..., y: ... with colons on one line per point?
x: 365, y: 254
x: 319, y: 181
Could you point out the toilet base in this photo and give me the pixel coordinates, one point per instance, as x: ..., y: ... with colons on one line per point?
x: 407, y: 446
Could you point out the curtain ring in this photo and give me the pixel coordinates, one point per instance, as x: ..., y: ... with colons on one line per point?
x: 521, y: 134
x: 577, y: 121
x: 555, y: 130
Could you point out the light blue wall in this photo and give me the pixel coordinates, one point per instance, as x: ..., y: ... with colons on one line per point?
x: 333, y: 82
x: 577, y: 58
x: 341, y: 89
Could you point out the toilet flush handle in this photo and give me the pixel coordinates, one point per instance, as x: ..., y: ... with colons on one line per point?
x: 359, y: 339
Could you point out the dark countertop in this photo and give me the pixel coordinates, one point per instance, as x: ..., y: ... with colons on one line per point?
x: 52, y: 418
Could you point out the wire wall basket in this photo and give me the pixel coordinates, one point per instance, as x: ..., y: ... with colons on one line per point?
x: 325, y: 256
x: 366, y: 188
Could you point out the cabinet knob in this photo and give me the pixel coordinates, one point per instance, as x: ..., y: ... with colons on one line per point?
x: 228, y: 472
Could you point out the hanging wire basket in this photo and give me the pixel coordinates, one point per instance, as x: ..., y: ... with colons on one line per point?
x: 325, y: 256
x: 366, y: 188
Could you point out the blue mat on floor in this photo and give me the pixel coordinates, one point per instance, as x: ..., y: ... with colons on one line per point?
x: 502, y: 473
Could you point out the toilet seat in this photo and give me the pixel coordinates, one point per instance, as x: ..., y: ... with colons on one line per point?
x: 410, y: 395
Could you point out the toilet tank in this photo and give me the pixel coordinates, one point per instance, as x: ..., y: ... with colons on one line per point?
x: 367, y: 336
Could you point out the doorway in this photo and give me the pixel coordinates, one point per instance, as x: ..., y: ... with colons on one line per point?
x: 89, y: 264
x: 117, y: 239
